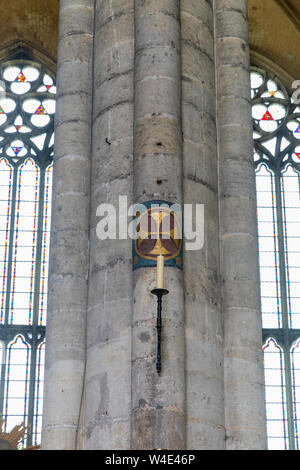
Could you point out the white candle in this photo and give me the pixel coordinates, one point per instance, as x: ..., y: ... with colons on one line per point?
x: 160, y: 272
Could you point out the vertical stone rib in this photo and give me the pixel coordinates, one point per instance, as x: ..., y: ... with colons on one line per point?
x: 158, y: 401
x: 243, y: 375
x: 65, y: 356
x: 203, y: 326
x: 108, y: 375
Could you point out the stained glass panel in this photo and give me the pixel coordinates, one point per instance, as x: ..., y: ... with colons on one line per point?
x: 39, y: 388
x: 16, y: 382
x: 268, y: 248
x: 45, y: 246
x: 24, y: 257
x: 6, y: 180
x: 275, y: 394
x: 295, y: 359
x: 276, y: 123
x: 291, y: 218
x: 27, y: 109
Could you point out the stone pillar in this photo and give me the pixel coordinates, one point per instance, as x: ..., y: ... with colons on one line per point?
x: 243, y: 374
x: 65, y: 352
x: 108, y: 374
x: 203, y: 323
x: 158, y: 401
x: 203, y: 330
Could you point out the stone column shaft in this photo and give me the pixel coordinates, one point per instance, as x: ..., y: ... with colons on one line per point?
x: 108, y: 376
x: 203, y: 322
x: 158, y: 401
x: 243, y: 375
x: 65, y: 352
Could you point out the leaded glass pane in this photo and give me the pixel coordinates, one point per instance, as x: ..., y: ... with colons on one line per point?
x: 6, y: 180
x: 39, y: 389
x: 45, y: 247
x: 24, y: 253
x: 268, y: 248
x: 17, y: 382
x: 276, y: 406
x: 295, y: 359
x: 290, y: 189
x: 2, y: 353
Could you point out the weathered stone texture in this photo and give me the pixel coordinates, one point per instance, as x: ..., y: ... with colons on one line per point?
x: 158, y: 401
x: 203, y: 327
x: 109, y: 315
x: 67, y: 297
x: 243, y: 372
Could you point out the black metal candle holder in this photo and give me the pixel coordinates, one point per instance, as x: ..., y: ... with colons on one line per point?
x: 159, y: 294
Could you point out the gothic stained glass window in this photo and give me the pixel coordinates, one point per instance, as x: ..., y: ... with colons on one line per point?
x: 27, y: 106
x: 276, y: 121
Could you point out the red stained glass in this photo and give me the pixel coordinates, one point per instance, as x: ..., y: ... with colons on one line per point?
x: 267, y: 117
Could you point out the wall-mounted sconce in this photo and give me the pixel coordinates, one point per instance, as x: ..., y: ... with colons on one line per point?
x: 159, y: 243
x: 159, y: 291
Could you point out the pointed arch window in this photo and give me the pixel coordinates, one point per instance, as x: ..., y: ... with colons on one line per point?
x: 276, y: 121
x: 27, y: 107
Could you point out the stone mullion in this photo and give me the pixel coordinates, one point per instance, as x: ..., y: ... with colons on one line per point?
x: 243, y: 368
x: 158, y: 400
x: 68, y: 270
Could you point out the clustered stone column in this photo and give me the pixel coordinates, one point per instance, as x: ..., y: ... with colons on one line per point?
x: 243, y: 370
x: 153, y: 103
x: 158, y: 401
x: 203, y: 322
x: 67, y: 301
